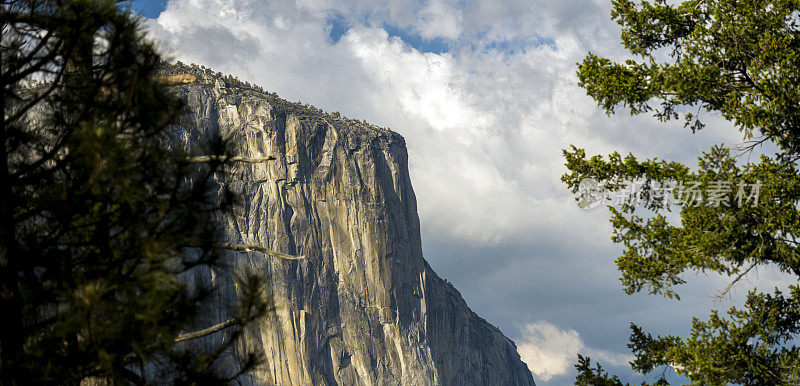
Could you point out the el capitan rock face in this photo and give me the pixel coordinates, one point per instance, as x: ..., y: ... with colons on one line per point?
x: 363, y: 307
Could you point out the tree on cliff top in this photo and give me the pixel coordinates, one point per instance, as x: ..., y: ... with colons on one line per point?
x: 740, y: 59
x: 99, y: 217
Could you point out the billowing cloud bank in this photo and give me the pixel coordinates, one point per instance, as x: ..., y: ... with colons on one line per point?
x: 550, y: 351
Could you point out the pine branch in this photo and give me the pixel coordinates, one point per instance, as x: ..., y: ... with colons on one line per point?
x: 174, y: 80
x: 207, y: 331
x: 224, y: 158
x: 251, y: 248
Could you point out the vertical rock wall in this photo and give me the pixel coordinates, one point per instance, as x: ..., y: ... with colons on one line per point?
x: 363, y: 307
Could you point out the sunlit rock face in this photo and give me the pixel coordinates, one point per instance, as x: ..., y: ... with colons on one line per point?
x: 363, y: 307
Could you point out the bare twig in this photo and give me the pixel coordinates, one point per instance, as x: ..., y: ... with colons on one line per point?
x: 724, y: 292
x: 748, y: 147
x: 699, y: 3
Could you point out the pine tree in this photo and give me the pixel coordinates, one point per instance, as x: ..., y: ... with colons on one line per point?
x: 741, y: 60
x: 99, y: 217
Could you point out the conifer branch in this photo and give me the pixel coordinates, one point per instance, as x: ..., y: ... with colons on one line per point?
x: 224, y: 158
x: 251, y: 248
x: 174, y: 80
x: 207, y: 331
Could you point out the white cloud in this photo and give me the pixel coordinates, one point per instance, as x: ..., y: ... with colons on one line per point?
x: 440, y: 20
x: 550, y: 351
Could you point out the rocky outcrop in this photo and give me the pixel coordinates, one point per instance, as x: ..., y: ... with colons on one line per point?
x: 363, y: 307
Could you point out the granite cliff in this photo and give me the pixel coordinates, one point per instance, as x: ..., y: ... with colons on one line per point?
x: 363, y: 307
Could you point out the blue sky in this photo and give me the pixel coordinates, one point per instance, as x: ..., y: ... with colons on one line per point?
x: 485, y: 94
x: 149, y: 8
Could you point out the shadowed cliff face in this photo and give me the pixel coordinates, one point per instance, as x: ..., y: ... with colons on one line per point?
x: 363, y: 307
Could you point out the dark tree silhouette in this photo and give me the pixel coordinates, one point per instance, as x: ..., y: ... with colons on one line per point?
x: 98, y: 217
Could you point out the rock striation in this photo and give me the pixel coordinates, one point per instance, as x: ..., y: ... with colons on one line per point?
x: 363, y: 307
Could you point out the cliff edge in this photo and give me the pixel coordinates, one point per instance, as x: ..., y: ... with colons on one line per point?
x: 363, y: 307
